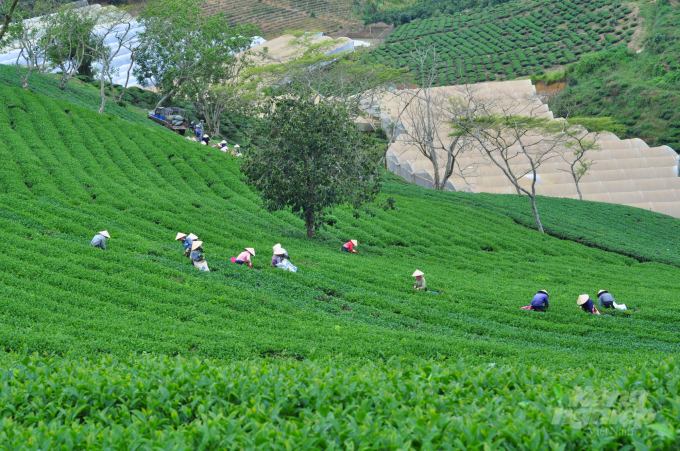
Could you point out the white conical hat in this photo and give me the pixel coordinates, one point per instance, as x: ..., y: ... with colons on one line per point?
x: 251, y: 250
x: 206, y: 136
x: 354, y: 242
x: 193, y: 237
x: 276, y: 246
x: 223, y: 142
x: 417, y: 273
x: 279, y: 251
x: 196, y: 244
x: 600, y: 292
x: 582, y: 299
x: 543, y: 291
x: 180, y: 235
x: 105, y: 233
x: 237, y: 146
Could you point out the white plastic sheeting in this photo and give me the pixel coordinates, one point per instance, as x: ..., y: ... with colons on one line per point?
x: 120, y: 64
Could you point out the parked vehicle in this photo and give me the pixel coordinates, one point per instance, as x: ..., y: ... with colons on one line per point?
x: 170, y: 117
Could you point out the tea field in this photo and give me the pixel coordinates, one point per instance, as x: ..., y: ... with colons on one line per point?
x: 508, y: 40
x: 133, y: 346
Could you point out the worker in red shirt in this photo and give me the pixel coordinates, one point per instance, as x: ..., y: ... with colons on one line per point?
x: 349, y: 246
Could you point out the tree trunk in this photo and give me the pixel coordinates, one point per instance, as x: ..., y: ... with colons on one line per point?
x: 103, y: 92
x: 578, y: 190
x: 164, y: 98
x: 8, y: 18
x: 535, y: 210
x: 309, y: 222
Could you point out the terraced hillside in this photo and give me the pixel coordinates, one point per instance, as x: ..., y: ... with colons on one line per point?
x: 68, y: 172
x: 274, y: 17
x: 511, y: 39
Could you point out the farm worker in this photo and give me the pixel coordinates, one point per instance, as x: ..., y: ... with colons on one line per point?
x: 206, y: 139
x: 420, y: 284
x: 586, y: 304
x: 200, y: 128
x: 223, y: 146
x: 187, y: 241
x: 99, y: 239
x: 279, y: 254
x: 244, y: 257
x: 540, y: 301
x: 606, y: 299
x: 236, y: 151
x: 197, y: 258
x: 349, y: 246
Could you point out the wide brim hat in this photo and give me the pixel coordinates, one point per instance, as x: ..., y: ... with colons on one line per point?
x: 193, y: 237
x: 206, y: 136
x: 279, y: 251
x: 354, y: 242
x: 417, y: 273
x: 582, y: 299
x: 277, y: 246
x: 180, y: 235
x: 251, y: 250
x: 237, y: 146
x: 600, y: 292
x: 105, y: 233
x: 223, y: 142
x: 543, y: 291
x: 196, y: 244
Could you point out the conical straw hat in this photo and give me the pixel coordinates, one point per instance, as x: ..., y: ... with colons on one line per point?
x: 196, y: 244
x: 354, y: 242
x: 251, y: 250
x: 600, y: 292
x: 180, y: 235
x: 223, y: 142
x: 582, y: 299
x: 279, y: 251
x: 206, y: 136
x: 276, y: 246
x: 543, y: 291
x: 417, y: 273
x: 193, y: 237
x: 105, y: 233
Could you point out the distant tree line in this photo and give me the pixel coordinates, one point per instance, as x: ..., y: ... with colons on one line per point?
x: 422, y: 10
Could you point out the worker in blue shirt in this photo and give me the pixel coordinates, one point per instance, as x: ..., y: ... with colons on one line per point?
x: 540, y: 301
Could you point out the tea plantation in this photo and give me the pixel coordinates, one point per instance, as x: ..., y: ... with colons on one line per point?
x: 508, y: 40
x: 134, y: 348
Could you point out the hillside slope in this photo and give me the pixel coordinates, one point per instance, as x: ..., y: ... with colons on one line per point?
x: 133, y: 348
x: 69, y: 172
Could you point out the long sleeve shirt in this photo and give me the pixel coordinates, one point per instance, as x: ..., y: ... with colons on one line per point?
x: 196, y: 256
x: 349, y: 245
x: 588, y: 306
x: 540, y: 300
x: 606, y: 297
x: 421, y: 284
x: 187, y: 243
x: 99, y: 241
x: 244, y: 257
x: 275, y: 259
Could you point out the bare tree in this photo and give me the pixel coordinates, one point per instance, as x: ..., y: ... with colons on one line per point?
x: 113, y: 33
x: 507, y: 132
x: 69, y: 30
x: 428, y: 123
x: 583, y: 136
x: 28, y: 33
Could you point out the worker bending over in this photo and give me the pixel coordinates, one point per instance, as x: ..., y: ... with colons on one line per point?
x: 586, y: 304
x: 349, y: 246
x: 540, y: 301
x: 197, y: 257
x: 187, y: 241
x: 99, y: 239
x: 606, y: 299
x: 244, y: 257
x: 420, y: 284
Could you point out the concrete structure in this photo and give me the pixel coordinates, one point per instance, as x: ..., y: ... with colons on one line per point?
x: 626, y: 172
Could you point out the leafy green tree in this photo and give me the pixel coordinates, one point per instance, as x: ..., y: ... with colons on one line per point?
x: 310, y: 157
x: 182, y: 44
